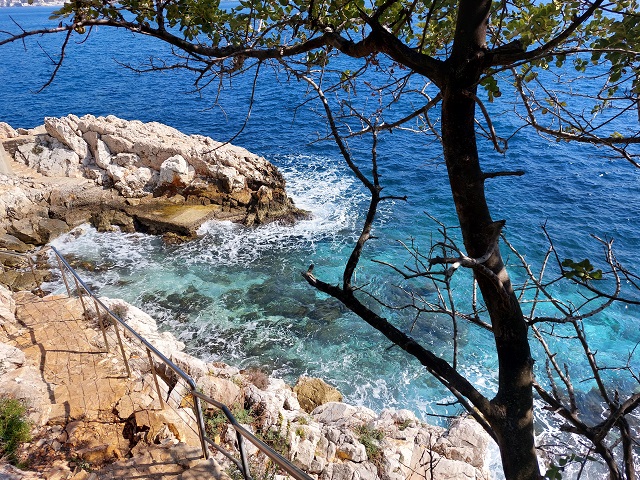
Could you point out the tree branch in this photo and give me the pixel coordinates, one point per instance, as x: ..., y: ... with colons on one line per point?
x: 435, y: 365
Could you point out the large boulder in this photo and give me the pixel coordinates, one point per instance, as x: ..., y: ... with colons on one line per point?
x: 313, y: 392
x: 175, y: 172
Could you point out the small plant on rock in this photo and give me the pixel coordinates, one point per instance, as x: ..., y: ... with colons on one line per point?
x: 14, y: 427
x: 81, y: 464
x: 404, y: 424
x: 370, y: 437
x: 120, y: 309
x: 216, y: 420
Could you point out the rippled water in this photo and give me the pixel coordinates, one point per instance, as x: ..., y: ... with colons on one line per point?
x: 237, y: 295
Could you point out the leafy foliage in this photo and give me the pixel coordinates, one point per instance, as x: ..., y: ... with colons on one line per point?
x: 555, y: 470
x: 215, y: 421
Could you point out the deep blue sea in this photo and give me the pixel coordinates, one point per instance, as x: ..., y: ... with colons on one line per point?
x: 236, y: 294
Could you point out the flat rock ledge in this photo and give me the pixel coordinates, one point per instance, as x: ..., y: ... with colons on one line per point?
x: 91, y: 422
x: 129, y: 175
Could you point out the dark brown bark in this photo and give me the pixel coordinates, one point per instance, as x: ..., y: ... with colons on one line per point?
x: 512, y: 408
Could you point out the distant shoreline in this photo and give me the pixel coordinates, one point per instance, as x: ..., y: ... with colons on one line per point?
x: 36, y: 3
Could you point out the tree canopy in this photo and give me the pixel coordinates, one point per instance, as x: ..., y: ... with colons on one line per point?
x: 461, y: 54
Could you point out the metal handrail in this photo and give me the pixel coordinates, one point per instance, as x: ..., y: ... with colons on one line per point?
x: 241, y: 432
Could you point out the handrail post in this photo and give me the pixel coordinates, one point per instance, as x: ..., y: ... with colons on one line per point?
x: 124, y: 354
x: 197, y: 406
x: 79, y: 290
x: 155, y: 377
x: 64, y: 278
x: 243, y: 456
x: 33, y: 272
x: 101, y: 323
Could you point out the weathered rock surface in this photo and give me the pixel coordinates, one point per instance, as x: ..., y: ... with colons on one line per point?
x: 86, y: 410
x: 131, y: 175
x: 6, y: 131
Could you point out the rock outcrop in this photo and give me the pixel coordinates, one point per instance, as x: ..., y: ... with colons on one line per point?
x: 86, y: 412
x: 130, y: 175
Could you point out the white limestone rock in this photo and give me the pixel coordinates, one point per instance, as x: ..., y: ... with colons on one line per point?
x: 99, y: 150
x: 65, y: 130
x: 7, y: 131
x: 465, y: 441
x: 221, y: 390
x: 175, y: 171
x: 14, y: 203
x: 270, y: 402
x: 50, y: 158
x: 126, y: 160
x: 429, y: 464
x: 340, y: 414
x: 142, y: 323
x: 98, y: 175
x: 351, y: 450
x: 60, y: 163
x: 155, y: 143
x: 10, y: 358
x: 139, y: 159
x: 350, y: 471
x: 26, y: 384
x: 7, y: 301
x: 130, y: 181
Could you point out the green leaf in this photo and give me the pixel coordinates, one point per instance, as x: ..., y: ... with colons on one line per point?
x: 583, y: 270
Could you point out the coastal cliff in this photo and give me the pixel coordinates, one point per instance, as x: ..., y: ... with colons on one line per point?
x: 131, y: 175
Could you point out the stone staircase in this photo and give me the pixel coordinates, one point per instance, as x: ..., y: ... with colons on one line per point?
x: 78, y: 393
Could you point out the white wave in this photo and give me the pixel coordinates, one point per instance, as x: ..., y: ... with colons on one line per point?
x: 319, y: 185
x: 132, y: 249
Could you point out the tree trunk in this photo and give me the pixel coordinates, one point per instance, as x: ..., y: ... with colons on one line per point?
x: 512, y: 408
x: 512, y: 412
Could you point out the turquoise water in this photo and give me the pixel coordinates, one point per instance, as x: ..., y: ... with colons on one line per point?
x: 236, y: 294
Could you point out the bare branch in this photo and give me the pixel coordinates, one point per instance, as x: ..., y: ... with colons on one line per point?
x: 494, y: 137
x: 435, y: 365
x: 514, y: 173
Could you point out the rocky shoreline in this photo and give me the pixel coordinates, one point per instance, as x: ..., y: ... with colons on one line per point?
x: 133, y: 176
x: 123, y: 428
